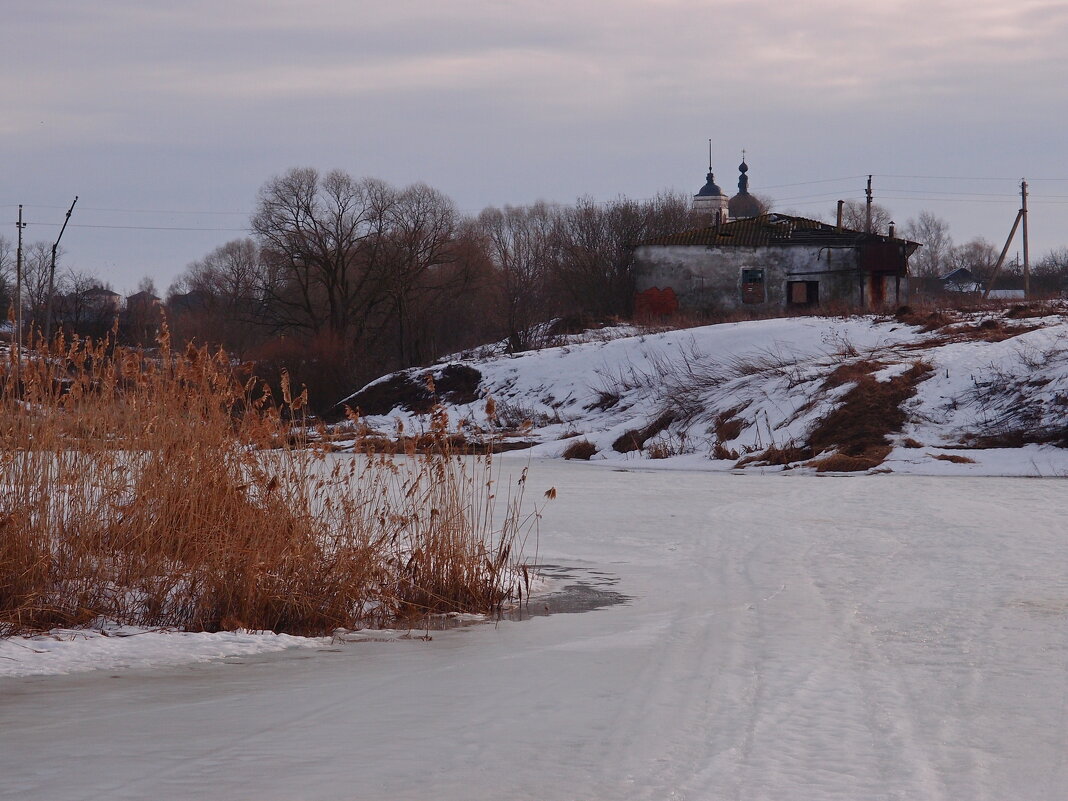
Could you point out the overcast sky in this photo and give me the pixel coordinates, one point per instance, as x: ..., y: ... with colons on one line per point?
x: 164, y: 116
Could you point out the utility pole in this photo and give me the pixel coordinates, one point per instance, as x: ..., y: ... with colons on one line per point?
x: 867, y: 223
x: 18, y: 295
x: 1021, y: 217
x: 52, y: 276
x: 1027, y: 259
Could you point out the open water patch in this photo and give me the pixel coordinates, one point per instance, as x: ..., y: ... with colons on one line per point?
x: 573, y: 590
x: 576, y: 589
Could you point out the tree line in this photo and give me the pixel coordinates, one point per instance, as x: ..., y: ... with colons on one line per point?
x: 344, y: 279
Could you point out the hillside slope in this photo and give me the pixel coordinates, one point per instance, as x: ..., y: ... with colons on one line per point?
x: 956, y: 393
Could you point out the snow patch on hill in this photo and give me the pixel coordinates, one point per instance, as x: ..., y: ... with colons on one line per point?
x: 986, y: 393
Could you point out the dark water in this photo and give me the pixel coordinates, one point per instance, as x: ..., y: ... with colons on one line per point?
x: 584, y: 590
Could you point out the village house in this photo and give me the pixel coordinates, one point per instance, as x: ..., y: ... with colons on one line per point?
x: 745, y: 258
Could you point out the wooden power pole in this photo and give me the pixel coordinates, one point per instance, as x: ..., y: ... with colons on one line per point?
x: 18, y: 294
x: 52, y: 276
x: 867, y: 205
x: 1027, y: 258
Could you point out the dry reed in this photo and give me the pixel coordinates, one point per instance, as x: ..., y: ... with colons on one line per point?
x: 173, y: 490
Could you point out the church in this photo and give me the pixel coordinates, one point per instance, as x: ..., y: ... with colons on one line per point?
x: 748, y: 258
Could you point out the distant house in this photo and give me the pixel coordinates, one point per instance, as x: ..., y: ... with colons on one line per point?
x: 141, y: 301
x: 770, y: 261
x: 142, y: 317
x: 961, y: 280
x: 190, y: 302
x: 101, y: 302
x: 90, y: 311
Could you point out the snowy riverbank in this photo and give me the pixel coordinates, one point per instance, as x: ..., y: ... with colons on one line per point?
x: 976, y: 393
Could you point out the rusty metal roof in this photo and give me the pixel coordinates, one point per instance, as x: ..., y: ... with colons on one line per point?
x: 774, y: 229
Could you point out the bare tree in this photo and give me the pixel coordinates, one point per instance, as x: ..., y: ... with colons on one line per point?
x: 596, y: 247
x: 7, y: 278
x: 36, y: 267
x: 220, y: 298
x: 977, y: 255
x: 855, y: 216
x: 523, y: 250
x: 1050, y: 273
x: 931, y: 260
x: 147, y: 284
x: 84, y: 304
x: 323, y: 239
x: 231, y: 274
x: 420, y: 226
x: 1053, y: 263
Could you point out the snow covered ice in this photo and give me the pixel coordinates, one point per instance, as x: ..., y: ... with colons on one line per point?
x: 787, y: 637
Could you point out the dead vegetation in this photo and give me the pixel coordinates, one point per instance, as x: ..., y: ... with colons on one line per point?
x: 870, y: 412
x: 580, y: 449
x: 855, y: 436
x: 1021, y: 404
x: 172, y: 491
x: 635, y: 439
x: 954, y: 458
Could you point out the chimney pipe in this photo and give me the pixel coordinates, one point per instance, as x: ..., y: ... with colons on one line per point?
x: 841, y: 204
x: 890, y: 230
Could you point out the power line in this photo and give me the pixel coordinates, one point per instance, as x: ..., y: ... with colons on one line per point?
x: 809, y: 183
x: 145, y: 227
x: 964, y: 178
x: 139, y: 211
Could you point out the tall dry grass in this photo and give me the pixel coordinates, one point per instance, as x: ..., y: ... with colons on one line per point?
x: 173, y: 490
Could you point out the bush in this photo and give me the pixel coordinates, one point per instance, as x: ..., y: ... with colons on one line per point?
x: 175, y: 491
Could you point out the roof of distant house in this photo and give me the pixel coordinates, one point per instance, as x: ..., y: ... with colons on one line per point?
x: 960, y: 275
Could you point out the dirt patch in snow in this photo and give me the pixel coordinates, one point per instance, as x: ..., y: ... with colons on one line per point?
x: 870, y: 412
x: 856, y: 435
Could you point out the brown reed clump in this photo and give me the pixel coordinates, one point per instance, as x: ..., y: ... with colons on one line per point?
x: 172, y: 490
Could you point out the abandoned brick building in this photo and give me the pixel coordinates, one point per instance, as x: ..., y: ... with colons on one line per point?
x: 747, y: 259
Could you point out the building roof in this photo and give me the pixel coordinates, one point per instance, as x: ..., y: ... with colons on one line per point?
x: 101, y: 291
x: 960, y: 275
x: 774, y: 229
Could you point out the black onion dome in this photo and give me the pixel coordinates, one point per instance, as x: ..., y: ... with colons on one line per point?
x: 711, y: 188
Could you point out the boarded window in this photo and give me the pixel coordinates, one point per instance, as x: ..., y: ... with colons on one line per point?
x: 803, y: 293
x: 752, y: 286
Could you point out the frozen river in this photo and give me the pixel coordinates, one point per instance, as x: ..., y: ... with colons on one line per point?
x: 875, y: 637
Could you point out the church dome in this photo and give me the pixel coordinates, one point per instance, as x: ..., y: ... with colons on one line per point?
x: 711, y: 188
x: 743, y: 204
